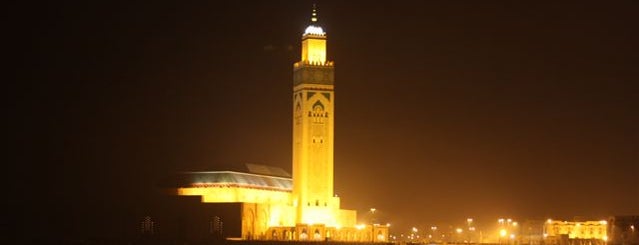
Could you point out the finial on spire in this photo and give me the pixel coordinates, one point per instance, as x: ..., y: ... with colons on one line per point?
x: 314, y: 28
x: 314, y: 15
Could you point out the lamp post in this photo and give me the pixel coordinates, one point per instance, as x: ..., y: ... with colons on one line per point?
x: 502, y: 234
x: 373, y: 224
x: 470, y: 227
x: 433, y: 230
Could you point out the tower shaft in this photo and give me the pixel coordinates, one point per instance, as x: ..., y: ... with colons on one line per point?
x: 313, y: 126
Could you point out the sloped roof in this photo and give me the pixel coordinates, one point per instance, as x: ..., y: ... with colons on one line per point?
x: 257, y: 176
x: 266, y: 170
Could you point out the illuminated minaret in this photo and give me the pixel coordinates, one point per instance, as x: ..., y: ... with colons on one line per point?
x: 313, y: 114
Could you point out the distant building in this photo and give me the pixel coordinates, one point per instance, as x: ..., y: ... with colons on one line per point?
x: 622, y: 230
x: 147, y: 226
x: 575, y: 232
x: 274, y: 205
x: 532, y: 232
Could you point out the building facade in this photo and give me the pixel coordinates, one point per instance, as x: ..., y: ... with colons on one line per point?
x: 276, y: 206
x: 575, y: 232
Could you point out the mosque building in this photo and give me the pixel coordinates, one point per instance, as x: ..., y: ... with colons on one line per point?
x: 274, y: 205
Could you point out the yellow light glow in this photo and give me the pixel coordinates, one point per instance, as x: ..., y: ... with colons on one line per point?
x: 360, y: 226
x: 512, y: 236
x: 314, y: 50
x: 459, y: 230
x: 603, y: 222
x: 503, y: 232
x: 605, y: 238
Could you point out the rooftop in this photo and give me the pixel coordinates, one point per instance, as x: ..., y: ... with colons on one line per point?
x: 255, y: 176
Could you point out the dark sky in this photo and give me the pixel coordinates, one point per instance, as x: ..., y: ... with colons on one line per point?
x: 444, y: 110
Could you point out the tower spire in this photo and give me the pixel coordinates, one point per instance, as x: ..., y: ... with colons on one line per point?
x: 314, y: 28
x: 314, y: 15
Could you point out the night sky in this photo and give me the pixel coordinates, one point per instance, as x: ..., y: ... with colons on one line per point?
x: 444, y: 109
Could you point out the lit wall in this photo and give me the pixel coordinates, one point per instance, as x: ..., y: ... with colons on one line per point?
x: 236, y: 195
x: 577, y: 230
x: 314, y: 49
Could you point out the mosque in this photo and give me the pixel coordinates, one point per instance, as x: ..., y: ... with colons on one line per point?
x: 274, y: 205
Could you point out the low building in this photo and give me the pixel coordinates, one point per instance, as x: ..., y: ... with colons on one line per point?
x: 622, y: 230
x: 575, y: 232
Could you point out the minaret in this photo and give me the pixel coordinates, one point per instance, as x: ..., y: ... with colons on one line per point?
x: 313, y: 114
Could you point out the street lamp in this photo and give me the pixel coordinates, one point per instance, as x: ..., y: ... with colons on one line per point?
x: 413, y: 234
x: 502, y: 234
x: 373, y: 224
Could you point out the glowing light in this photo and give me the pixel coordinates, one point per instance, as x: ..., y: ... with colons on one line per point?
x: 603, y: 222
x: 514, y: 223
x: 512, y: 236
x: 414, y: 229
x: 459, y: 230
x: 549, y: 221
x: 360, y: 226
x: 503, y: 232
x: 314, y: 30
x: 605, y: 238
